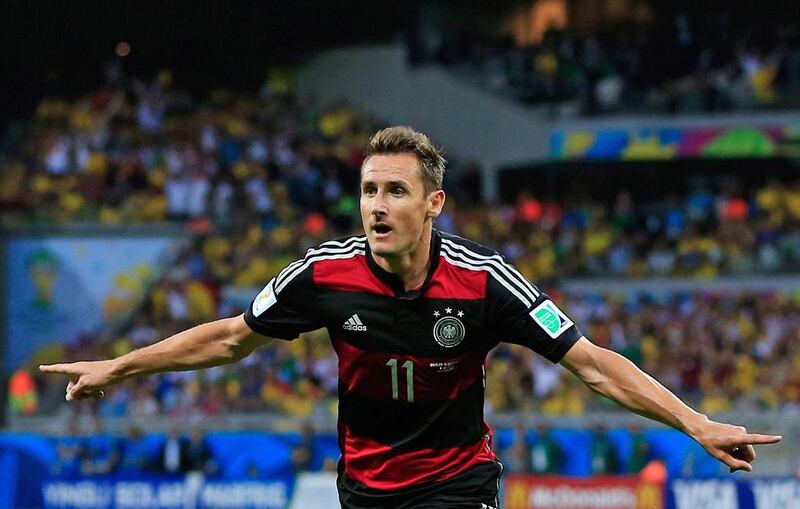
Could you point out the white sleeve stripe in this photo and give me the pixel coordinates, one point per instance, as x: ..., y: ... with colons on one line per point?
x: 288, y: 268
x: 500, y: 272
x: 522, y: 278
x: 458, y: 262
x: 308, y: 261
x: 319, y: 254
x: 497, y: 258
x: 314, y: 254
x: 510, y: 270
x: 330, y: 243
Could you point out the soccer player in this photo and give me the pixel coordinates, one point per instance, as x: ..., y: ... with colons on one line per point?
x: 412, y: 313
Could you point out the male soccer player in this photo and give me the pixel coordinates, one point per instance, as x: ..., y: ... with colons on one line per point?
x: 412, y: 313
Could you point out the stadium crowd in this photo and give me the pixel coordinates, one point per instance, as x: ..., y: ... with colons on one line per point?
x: 713, y: 62
x: 261, y: 169
x: 257, y: 180
x: 143, y: 153
x: 260, y: 179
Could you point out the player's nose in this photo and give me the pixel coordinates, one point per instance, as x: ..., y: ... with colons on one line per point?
x: 379, y: 206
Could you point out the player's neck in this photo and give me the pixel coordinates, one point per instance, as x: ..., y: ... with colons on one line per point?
x: 411, y: 267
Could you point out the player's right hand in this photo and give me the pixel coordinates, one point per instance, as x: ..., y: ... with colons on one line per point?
x: 731, y: 444
x: 86, y: 379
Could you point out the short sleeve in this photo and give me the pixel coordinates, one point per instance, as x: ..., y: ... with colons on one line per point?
x: 286, y: 306
x: 524, y: 315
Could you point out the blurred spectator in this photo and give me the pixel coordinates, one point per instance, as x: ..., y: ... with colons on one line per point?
x: 23, y: 397
x: 143, y: 403
x: 604, y: 458
x: 640, y: 450
x: 545, y: 453
x: 198, y: 453
x: 102, y: 451
x: 517, y: 457
x: 304, y: 452
x: 173, y: 457
x: 137, y: 455
x: 142, y: 333
x: 70, y: 452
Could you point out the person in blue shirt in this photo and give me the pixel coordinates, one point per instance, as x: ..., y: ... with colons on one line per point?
x: 137, y: 455
x: 102, y: 452
x: 70, y: 451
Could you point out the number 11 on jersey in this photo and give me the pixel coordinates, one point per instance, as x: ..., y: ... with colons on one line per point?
x: 409, y: 367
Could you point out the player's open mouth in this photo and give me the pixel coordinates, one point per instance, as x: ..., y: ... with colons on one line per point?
x: 381, y: 230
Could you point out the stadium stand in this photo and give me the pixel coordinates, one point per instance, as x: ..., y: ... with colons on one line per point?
x: 726, y: 63
x: 253, y: 172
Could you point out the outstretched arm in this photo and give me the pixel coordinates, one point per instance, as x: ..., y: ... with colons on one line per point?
x: 612, y: 375
x: 209, y: 344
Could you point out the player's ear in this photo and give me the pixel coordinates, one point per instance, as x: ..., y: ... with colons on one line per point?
x: 435, y: 203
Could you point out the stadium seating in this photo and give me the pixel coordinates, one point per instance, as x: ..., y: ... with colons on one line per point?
x: 610, y: 70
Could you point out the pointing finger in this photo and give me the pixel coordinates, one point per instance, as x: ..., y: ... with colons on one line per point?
x: 62, y: 369
x: 755, y: 438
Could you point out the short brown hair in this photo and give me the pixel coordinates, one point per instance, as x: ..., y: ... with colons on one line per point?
x: 402, y: 139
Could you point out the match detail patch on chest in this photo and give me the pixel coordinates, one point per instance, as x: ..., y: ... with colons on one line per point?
x: 551, y: 319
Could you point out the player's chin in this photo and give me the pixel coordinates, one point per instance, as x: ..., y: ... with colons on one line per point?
x: 382, y: 247
x: 381, y: 250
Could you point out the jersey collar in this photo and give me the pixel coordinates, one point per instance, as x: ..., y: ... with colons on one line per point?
x: 395, y: 283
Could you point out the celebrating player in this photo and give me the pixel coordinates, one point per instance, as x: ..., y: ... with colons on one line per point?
x: 412, y: 313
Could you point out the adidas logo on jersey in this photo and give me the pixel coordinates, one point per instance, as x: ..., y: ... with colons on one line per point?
x: 354, y: 323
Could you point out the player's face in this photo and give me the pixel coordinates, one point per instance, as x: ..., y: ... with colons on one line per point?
x: 394, y: 205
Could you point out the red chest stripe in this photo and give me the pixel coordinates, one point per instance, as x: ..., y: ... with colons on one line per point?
x: 353, y: 275
x: 451, y: 282
x: 349, y: 275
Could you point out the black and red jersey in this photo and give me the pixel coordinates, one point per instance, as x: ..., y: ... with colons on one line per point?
x: 411, y: 363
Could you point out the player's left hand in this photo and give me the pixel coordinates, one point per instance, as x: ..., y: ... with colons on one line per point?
x: 731, y: 444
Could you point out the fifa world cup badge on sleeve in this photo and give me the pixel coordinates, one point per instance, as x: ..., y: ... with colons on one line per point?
x: 551, y: 319
x: 265, y: 299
